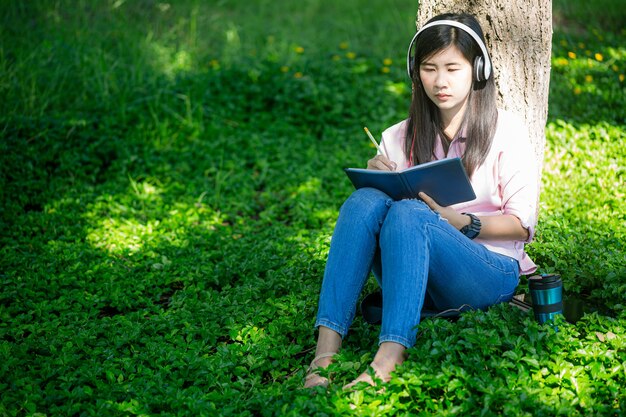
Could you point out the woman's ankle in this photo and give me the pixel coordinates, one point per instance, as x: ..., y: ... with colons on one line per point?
x: 327, y: 341
x: 390, y: 352
x: 388, y: 356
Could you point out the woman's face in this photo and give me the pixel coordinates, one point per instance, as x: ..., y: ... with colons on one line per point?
x: 447, y: 80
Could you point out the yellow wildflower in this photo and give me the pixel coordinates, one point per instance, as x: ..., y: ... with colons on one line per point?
x: 297, y: 75
x: 298, y: 49
x: 561, y: 62
x: 350, y: 55
x: 343, y: 45
x: 577, y: 90
x: 571, y: 55
x: 599, y: 57
x: 387, y: 62
x: 385, y: 70
x: 284, y: 68
x: 588, y: 78
x: 621, y: 77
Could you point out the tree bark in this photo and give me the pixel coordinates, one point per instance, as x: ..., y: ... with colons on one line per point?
x: 519, y: 39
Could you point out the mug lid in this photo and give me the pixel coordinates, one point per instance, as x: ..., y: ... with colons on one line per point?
x: 545, y: 278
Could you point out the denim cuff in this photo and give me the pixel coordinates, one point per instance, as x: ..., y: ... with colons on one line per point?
x: 332, y: 326
x: 396, y: 339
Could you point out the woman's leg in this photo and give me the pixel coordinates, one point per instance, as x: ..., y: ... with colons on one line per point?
x: 352, y: 249
x: 420, y: 253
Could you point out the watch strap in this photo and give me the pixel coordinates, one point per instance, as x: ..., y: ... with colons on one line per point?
x: 473, y: 229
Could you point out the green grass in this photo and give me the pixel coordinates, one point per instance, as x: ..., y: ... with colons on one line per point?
x: 170, y: 175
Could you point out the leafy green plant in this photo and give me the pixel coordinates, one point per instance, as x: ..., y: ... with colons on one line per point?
x: 170, y: 175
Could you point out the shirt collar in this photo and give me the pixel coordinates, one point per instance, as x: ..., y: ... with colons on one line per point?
x: 457, y: 146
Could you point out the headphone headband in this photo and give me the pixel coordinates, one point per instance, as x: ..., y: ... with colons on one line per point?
x: 486, y: 68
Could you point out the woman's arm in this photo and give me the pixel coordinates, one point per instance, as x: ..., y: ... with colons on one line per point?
x: 502, y: 227
x: 499, y: 227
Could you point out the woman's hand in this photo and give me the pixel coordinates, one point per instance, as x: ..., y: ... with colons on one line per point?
x: 500, y: 227
x: 381, y: 163
x: 453, y: 217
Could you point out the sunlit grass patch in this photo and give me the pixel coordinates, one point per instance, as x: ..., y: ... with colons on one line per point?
x: 170, y: 178
x: 588, y: 74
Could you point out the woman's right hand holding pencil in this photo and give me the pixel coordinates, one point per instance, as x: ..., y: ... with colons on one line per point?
x: 381, y: 163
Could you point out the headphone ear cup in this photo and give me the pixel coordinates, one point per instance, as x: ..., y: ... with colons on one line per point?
x: 479, y: 69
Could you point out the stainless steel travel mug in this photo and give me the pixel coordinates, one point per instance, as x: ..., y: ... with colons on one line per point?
x: 546, y: 292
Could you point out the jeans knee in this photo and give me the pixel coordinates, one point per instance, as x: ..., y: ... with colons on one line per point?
x: 407, y: 212
x: 366, y: 200
x: 404, y: 218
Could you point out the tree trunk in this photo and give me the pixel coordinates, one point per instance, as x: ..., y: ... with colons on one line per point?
x: 519, y: 39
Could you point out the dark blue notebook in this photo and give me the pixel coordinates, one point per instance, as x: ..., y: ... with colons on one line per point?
x: 444, y: 180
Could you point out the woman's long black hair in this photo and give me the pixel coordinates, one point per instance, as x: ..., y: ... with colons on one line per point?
x: 424, y: 122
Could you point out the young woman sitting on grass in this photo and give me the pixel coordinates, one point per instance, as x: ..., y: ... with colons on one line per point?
x: 465, y: 254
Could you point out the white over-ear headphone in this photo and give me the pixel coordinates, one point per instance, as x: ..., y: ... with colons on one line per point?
x: 482, y: 64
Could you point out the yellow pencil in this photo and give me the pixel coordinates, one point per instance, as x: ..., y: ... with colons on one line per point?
x: 374, y: 141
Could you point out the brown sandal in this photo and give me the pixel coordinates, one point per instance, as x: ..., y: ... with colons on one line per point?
x: 313, y: 366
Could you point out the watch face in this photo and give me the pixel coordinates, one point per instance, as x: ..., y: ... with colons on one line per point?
x: 472, y: 233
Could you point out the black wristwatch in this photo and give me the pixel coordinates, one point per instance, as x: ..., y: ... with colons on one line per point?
x: 473, y: 229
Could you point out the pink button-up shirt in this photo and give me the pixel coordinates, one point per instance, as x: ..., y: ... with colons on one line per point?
x: 506, y: 183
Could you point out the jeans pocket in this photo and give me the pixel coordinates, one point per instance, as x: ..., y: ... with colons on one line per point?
x: 503, y: 298
x: 509, y: 284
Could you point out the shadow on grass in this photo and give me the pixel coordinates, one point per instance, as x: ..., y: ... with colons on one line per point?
x: 164, y: 234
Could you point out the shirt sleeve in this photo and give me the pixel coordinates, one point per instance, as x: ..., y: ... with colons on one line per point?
x: 518, y: 177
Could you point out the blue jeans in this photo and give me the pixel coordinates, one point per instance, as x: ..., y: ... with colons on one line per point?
x: 418, y: 255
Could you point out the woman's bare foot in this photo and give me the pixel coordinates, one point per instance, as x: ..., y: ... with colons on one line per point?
x: 328, y: 344
x: 389, y: 355
x: 313, y: 378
